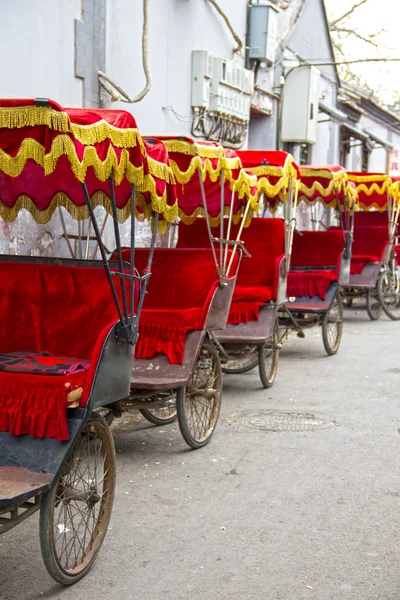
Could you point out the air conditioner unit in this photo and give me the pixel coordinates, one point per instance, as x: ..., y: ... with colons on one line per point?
x: 300, y: 105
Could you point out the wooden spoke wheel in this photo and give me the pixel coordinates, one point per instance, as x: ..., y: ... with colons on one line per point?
x: 161, y: 415
x: 244, y: 359
x: 199, y: 403
x: 268, y: 356
x: 75, y: 513
x: 374, y: 307
x: 389, y: 293
x: 332, y: 326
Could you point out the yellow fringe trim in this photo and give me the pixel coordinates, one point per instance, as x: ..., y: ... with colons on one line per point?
x: 368, y: 178
x: 29, y: 116
x: 323, y: 174
x: 79, y: 213
x: 192, y: 148
x: 374, y: 188
x: 63, y: 146
x: 317, y: 187
x: 287, y: 170
x: 374, y: 205
x: 215, y: 221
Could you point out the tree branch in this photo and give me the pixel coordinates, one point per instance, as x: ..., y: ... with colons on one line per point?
x: 368, y: 39
x: 348, y: 13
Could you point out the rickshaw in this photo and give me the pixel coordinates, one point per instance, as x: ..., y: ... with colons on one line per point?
x: 373, y: 271
x: 320, y: 258
x: 251, y: 336
x: 177, y: 370
x: 69, y: 327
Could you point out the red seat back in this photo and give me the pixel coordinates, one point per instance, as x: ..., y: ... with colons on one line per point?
x: 264, y: 239
x: 373, y: 218
x: 317, y: 248
x: 53, y: 308
x: 370, y: 241
x: 180, y: 278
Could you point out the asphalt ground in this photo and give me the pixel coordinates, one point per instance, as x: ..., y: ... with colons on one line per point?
x: 310, y: 511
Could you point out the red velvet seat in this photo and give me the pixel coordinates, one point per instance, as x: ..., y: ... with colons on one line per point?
x: 258, y: 277
x: 180, y: 290
x: 315, y: 262
x: 369, y: 245
x: 50, y: 312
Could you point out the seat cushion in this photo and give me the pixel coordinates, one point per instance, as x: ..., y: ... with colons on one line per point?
x: 252, y: 293
x: 41, y: 363
x: 310, y: 283
x: 359, y: 261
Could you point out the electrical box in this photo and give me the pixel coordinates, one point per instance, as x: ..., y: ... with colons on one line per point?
x: 263, y: 32
x: 300, y: 105
x: 222, y: 86
x: 202, y: 74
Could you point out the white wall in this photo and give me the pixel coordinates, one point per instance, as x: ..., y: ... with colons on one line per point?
x: 176, y: 27
x: 37, y: 50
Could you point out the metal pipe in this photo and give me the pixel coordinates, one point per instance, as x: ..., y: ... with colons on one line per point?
x: 101, y: 233
x: 148, y: 266
x: 65, y: 232
x: 228, y: 231
x: 118, y: 244
x: 203, y: 197
x: 102, y: 251
x: 87, y: 241
x: 132, y: 257
x: 221, y: 218
x: 238, y: 237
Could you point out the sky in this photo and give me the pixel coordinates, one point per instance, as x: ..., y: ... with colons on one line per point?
x: 370, y: 18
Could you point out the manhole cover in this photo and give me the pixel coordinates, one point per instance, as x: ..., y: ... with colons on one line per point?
x: 285, y: 421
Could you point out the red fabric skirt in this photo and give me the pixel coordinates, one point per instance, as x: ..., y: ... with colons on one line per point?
x: 310, y: 283
x: 164, y: 332
x: 36, y: 404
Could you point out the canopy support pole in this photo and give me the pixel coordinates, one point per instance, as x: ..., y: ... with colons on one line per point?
x: 203, y: 197
x: 101, y: 234
x: 102, y: 251
x: 228, y: 231
x: 147, y: 271
x: 238, y: 237
x: 65, y: 232
x: 87, y: 241
x: 118, y: 244
x: 132, y: 262
x: 221, y: 220
x: 292, y: 223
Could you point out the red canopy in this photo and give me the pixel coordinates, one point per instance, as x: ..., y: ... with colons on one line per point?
x: 325, y: 183
x: 46, y: 152
x: 273, y: 169
x: 373, y: 189
x: 188, y: 157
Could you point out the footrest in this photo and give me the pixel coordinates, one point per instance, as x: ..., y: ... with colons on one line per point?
x: 18, y: 484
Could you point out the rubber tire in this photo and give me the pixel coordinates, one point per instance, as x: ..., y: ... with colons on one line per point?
x: 45, y: 523
x: 328, y: 348
x: 155, y: 420
x: 267, y: 379
x: 180, y: 405
x: 250, y: 367
x: 394, y: 317
x: 374, y: 316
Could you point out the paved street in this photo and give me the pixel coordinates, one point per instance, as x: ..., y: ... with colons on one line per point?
x: 256, y: 514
